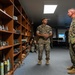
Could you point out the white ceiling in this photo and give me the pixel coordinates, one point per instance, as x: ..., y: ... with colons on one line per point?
x: 34, y: 10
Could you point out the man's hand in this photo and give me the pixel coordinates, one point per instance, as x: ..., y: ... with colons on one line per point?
x: 46, y: 35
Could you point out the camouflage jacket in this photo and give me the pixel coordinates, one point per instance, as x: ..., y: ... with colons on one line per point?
x: 72, y: 31
x: 44, y: 29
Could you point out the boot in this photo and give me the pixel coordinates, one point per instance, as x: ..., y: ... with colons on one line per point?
x: 39, y: 62
x: 72, y: 71
x: 47, y: 62
x: 69, y: 68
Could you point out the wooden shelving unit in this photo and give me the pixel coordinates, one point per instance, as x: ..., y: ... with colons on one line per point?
x: 14, y: 27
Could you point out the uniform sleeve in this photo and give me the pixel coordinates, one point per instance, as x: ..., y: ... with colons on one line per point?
x: 38, y: 30
x: 50, y: 31
x: 73, y: 29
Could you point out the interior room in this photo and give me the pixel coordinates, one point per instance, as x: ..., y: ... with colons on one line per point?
x: 23, y: 34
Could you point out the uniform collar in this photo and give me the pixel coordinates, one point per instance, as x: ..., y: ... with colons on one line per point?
x: 43, y: 25
x: 73, y: 18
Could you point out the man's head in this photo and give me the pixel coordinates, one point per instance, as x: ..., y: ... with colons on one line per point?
x: 71, y: 12
x: 45, y: 21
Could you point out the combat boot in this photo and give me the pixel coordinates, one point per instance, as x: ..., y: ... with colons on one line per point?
x: 39, y: 62
x: 72, y: 71
x: 69, y: 68
x: 47, y: 62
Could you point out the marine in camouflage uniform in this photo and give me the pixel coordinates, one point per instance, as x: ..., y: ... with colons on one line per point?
x: 44, y: 42
x: 71, y: 13
x: 71, y: 41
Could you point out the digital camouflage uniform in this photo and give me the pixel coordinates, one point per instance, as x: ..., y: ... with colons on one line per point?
x: 42, y: 42
x: 71, y: 41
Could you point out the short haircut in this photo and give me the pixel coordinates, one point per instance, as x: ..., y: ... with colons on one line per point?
x: 72, y: 10
x: 43, y: 18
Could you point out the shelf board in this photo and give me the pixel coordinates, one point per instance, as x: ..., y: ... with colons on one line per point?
x: 16, y: 66
x: 27, y: 35
x: 23, y: 26
x: 9, y: 73
x: 17, y: 53
x: 17, y: 33
x: 17, y: 3
x: 5, y: 47
x: 17, y: 11
x: 24, y: 49
x: 22, y: 34
x: 17, y: 23
x: 17, y: 44
x: 4, y: 15
x: 4, y: 31
x: 23, y: 17
x: 27, y: 28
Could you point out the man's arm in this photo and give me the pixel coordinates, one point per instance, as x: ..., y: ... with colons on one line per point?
x: 44, y: 35
x: 73, y: 29
x: 38, y: 32
x: 49, y: 34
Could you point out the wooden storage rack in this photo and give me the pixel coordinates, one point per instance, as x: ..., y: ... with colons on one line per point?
x: 8, y: 9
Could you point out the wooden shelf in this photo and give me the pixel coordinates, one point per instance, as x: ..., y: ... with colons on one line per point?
x: 25, y: 47
x: 5, y: 47
x: 17, y: 11
x: 4, y: 15
x: 16, y: 66
x: 16, y: 23
x: 17, y: 34
x: 4, y: 31
x: 17, y: 3
x: 16, y: 54
x: 23, y: 26
x: 22, y: 34
x: 23, y: 17
x: 9, y: 73
x: 17, y: 44
x: 27, y: 35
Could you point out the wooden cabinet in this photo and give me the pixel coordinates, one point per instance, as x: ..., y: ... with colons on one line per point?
x: 14, y: 28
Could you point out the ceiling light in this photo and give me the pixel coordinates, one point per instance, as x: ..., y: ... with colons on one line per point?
x: 49, y: 9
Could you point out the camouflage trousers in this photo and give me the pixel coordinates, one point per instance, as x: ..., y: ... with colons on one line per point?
x: 72, y: 53
x: 36, y: 47
x: 41, y: 47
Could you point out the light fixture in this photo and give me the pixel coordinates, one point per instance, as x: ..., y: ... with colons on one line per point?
x: 49, y: 9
